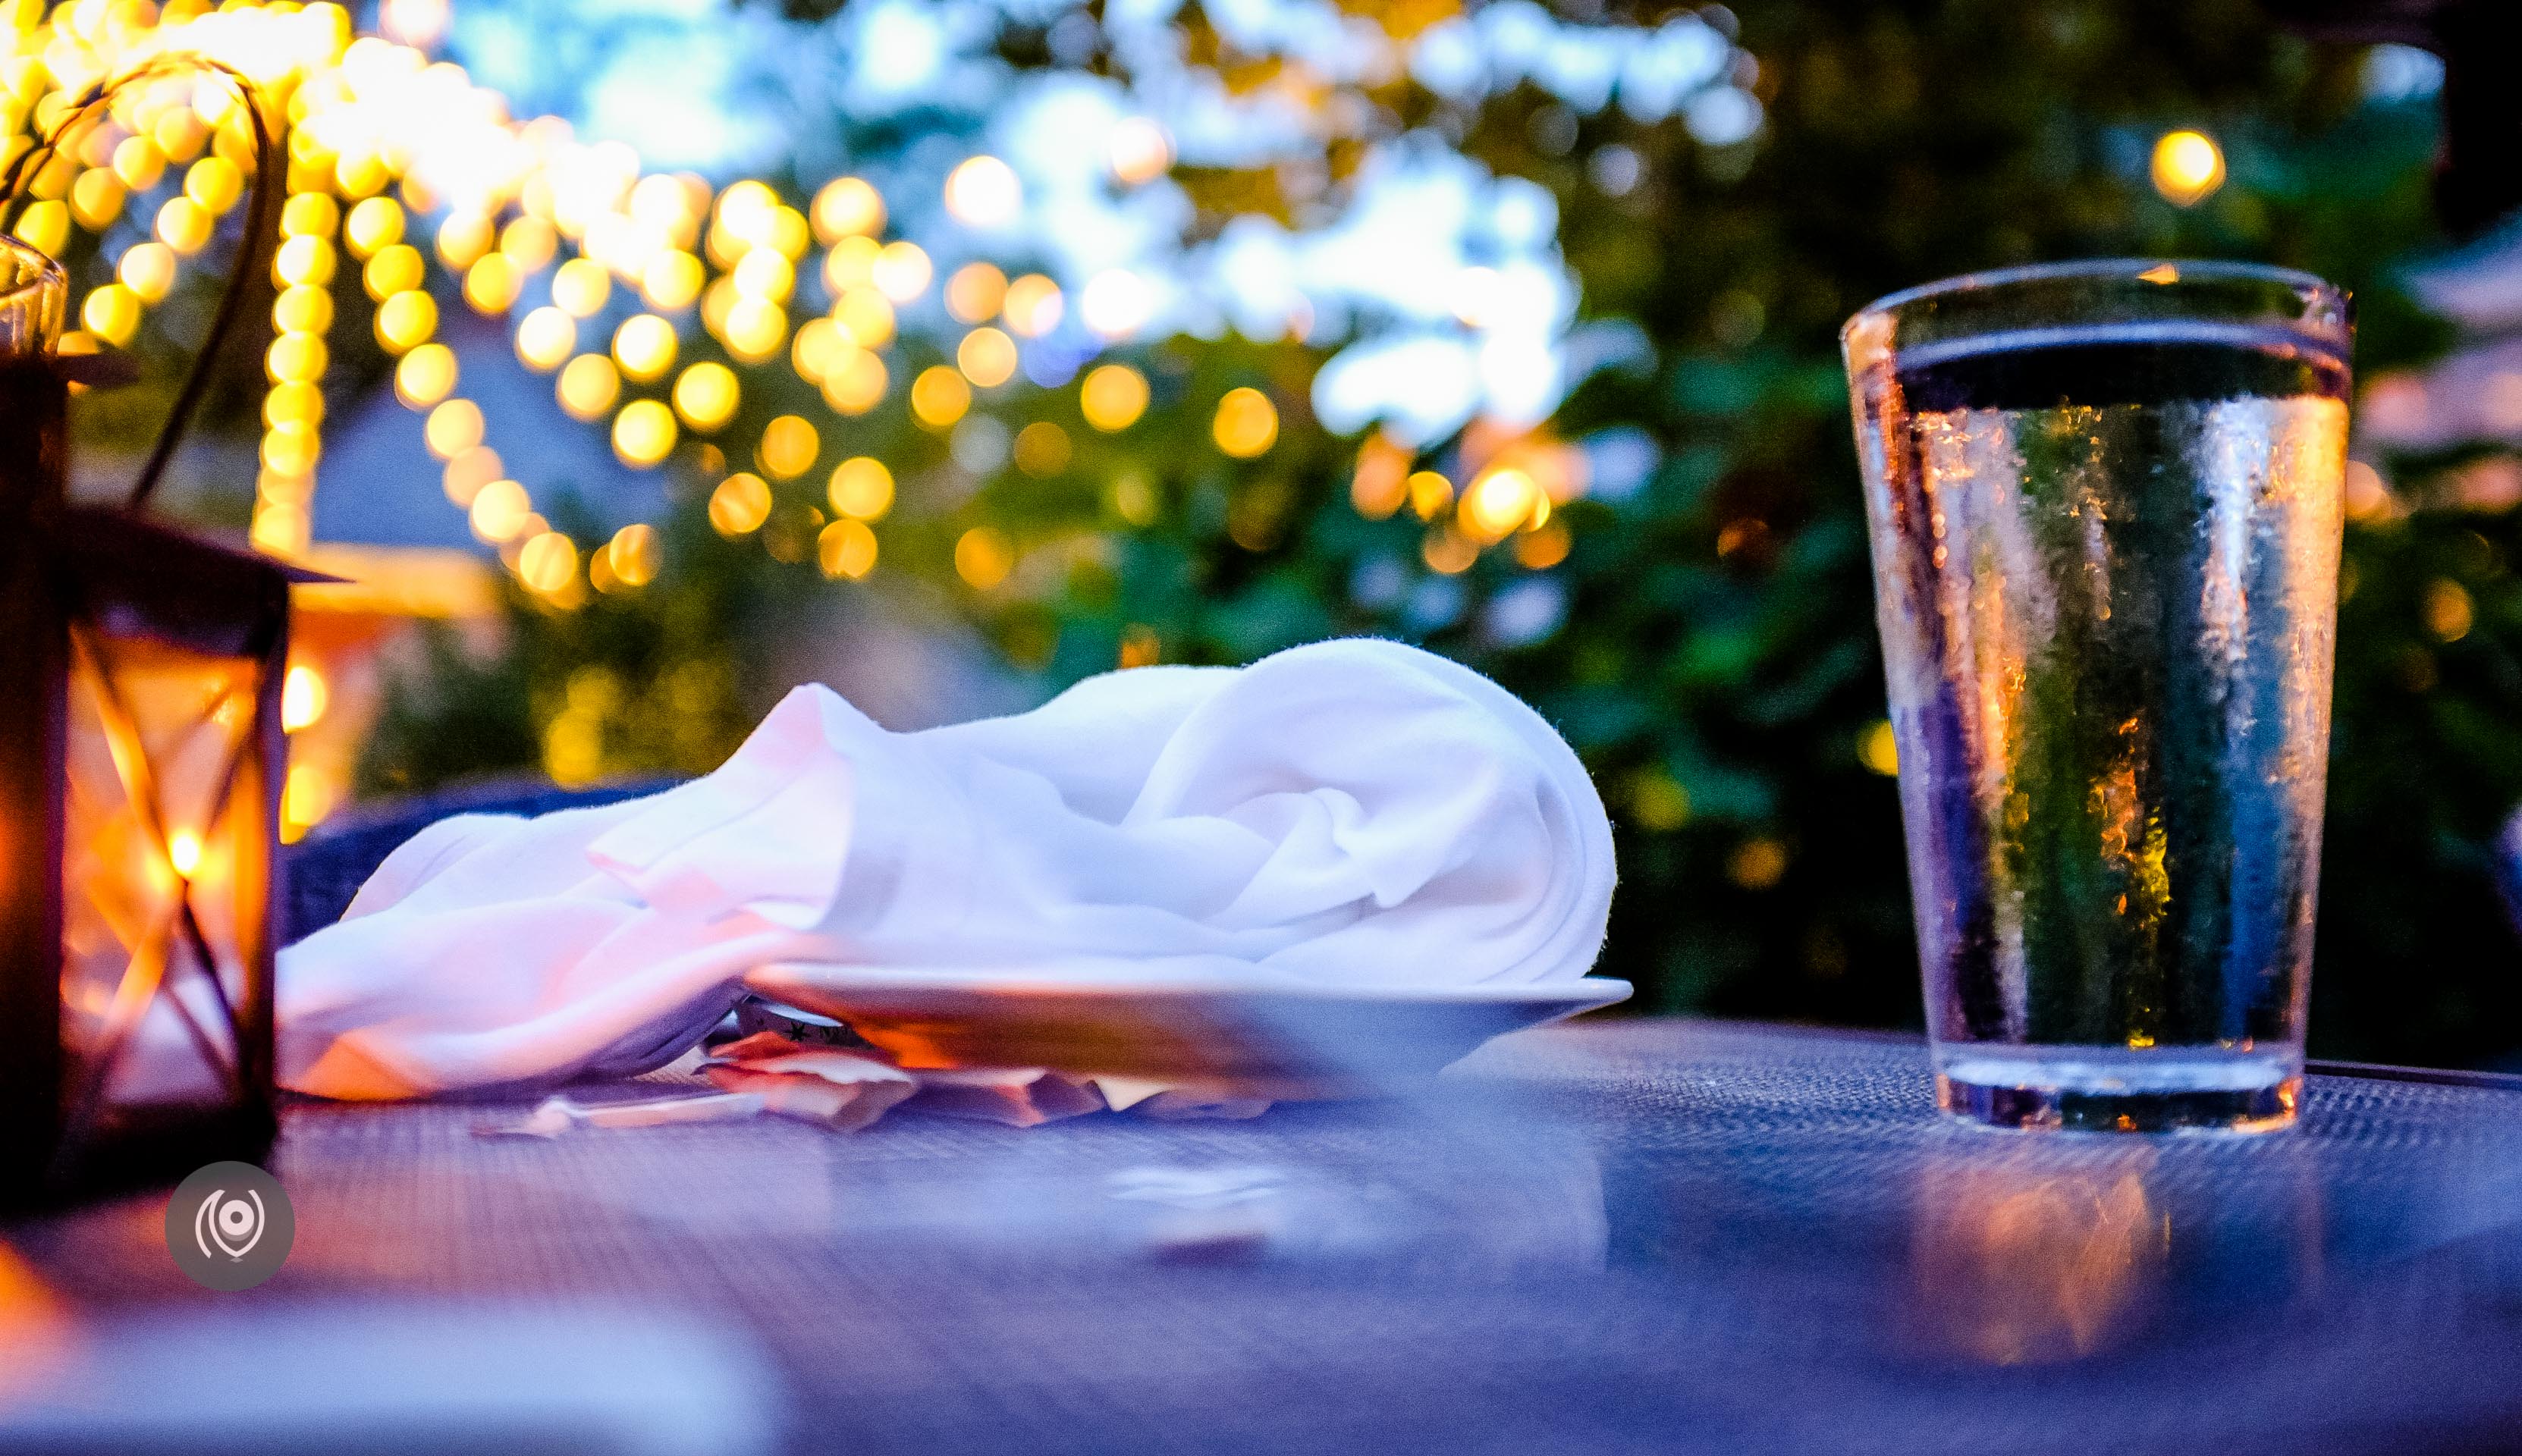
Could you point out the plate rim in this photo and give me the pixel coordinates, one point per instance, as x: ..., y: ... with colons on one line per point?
x: 1590, y: 992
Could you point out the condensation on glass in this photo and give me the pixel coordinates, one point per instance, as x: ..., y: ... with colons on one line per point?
x: 2105, y: 502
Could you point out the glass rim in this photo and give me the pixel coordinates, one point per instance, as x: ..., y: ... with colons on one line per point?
x: 35, y: 270
x: 2100, y: 269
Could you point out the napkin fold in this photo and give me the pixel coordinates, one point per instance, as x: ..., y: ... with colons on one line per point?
x: 1353, y: 812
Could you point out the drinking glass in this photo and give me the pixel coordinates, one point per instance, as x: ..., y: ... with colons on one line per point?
x: 2105, y: 501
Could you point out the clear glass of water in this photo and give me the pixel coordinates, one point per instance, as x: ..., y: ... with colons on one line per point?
x: 2105, y: 500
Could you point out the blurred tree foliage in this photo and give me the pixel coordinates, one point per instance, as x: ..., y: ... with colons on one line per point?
x: 1708, y: 642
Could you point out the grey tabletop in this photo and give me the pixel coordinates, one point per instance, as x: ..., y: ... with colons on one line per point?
x: 1627, y: 1236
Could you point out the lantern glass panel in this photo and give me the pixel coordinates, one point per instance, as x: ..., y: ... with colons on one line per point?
x: 163, y: 874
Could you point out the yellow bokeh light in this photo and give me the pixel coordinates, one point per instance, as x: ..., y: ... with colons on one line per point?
x: 635, y: 554
x: 764, y: 273
x: 44, y: 226
x: 671, y: 280
x: 644, y: 346
x: 470, y: 471
x: 1041, y: 449
x: 548, y: 562
x: 1879, y: 748
x: 983, y: 192
x: 291, y: 449
x: 302, y: 309
x: 987, y: 357
x: 1113, y: 396
x: 396, y: 268
x: 939, y: 397
x: 789, y: 445
x: 375, y: 223
x: 215, y: 183
x: 983, y: 556
x: 309, y: 215
x: 1500, y: 501
x: 580, y: 288
x: 1430, y: 493
x: 2188, y: 168
x: 974, y: 292
x: 706, y: 396
x: 111, y: 314
x: 464, y: 238
x: 147, y: 269
x: 96, y: 199
x: 643, y: 433
x: 745, y: 210
x: 861, y: 487
x: 303, y: 697
x: 856, y: 382
x: 866, y: 316
x: 847, y: 207
x: 529, y: 242
x: 546, y: 338
x: 183, y: 226
x: 490, y: 285
x: 846, y: 549
x: 901, y: 272
x: 406, y: 320
x: 426, y: 376
x: 295, y: 358
x: 453, y: 428
x: 138, y: 162
x: 851, y: 265
x: 587, y: 387
x: 292, y: 405
x: 739, y: 506
x: 499, y: 510
x: 819, y: 345
x: 1033, y: 305
x: 279, y: 528
x: 1246, y: 423
x: 755, y: 330
x: 184, y: 851
x: 1544, y: 547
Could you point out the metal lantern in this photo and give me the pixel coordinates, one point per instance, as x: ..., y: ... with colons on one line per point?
x: 141, y: 758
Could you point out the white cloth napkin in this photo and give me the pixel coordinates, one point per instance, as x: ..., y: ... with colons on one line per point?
x: 1352, y: 812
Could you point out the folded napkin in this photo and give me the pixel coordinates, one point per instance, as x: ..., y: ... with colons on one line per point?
x: 1352, y: 812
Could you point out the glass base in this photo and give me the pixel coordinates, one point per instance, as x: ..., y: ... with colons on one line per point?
x: 2112, y: 1089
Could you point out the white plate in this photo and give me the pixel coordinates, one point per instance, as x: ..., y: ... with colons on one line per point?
x: 1281, y: 1040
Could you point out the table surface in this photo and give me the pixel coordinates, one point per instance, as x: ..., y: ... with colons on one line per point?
x: 1618, y: 1236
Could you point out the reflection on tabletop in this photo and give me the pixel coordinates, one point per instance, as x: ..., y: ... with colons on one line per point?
x: 1628, y: 1235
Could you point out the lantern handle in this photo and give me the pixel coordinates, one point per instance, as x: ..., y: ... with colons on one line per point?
x: 263, y: 223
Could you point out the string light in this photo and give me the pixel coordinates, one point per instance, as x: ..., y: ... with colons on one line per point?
x: 974, y: 292
x: 987, y: 357
x: 1112, y: 397
x: 643, y: 433
x: 579, y: 288
x: 395, y: 268
x: 643, y: 346
x: 546, y: 338
x: 847, y: 207
x: 939, y: 397
x: 739, y: 506
x: 983, y: 192
x: 587, y: 387
x: 847, y: 548
x: 861, y: 487
x: 1246, y: 423
x: 789, y: 445
x: 426, y: 376
x: 453, y: 428
x: 634, y: 554
x: 706, y: 396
